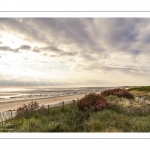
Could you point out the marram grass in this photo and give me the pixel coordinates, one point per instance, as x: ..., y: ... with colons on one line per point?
x: 71, y: 119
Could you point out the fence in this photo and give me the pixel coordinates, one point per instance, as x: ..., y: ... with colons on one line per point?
x: 12, y: 113
x: 133, y: 110
x: 130, y: 110
x: 7, y: 115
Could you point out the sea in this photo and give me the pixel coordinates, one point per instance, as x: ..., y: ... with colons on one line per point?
x: 26, y: 93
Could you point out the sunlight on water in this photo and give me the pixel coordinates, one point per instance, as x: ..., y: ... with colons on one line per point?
x: 14, y: 89
x: 25, y: 93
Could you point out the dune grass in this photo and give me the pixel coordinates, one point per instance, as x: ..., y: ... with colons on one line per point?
x: 140, y: 88
x: 70, y: 118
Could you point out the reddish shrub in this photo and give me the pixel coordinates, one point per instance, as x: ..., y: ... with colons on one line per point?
x: 27, y: 109
x: 118, y: 92
x: 92, y: 100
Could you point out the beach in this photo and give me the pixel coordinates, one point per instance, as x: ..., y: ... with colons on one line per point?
x: 11, y: 105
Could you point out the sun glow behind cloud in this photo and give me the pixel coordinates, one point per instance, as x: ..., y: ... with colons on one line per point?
x: 74, y: 52
x: 11, y: 40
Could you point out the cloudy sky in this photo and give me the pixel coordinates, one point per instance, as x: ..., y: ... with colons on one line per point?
x: 74, y: 51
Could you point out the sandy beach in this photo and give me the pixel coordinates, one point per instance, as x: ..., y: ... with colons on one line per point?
x: 11, y: 105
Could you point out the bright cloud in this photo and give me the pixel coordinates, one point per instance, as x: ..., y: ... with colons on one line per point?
x: 74, y: 51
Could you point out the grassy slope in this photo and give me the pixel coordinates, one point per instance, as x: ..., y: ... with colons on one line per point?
x: 141, y: 88
x: 140, y: 91
x: 71, y: 119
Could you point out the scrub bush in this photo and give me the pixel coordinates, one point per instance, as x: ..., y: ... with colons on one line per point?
x: 27, y: 110
x: 94, y: 101
x: 118, y: 92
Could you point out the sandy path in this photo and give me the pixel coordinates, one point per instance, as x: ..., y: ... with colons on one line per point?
x: 5, y: 106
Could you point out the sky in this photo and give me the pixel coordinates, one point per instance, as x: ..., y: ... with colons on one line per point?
x: 70, y: 52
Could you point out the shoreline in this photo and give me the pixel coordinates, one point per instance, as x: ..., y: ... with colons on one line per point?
x: 11, y: 105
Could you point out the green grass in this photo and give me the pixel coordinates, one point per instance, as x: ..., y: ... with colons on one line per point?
x: 140, y: 88
x: 141, y: 91
x: 71, y: 119
x: 112, y: 98
x: 58, y: 119
x: 117, y: 121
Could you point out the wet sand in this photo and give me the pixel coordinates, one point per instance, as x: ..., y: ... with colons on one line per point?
x: 11, y: 105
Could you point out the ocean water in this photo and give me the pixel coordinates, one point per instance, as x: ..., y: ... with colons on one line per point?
x: 25, y: 93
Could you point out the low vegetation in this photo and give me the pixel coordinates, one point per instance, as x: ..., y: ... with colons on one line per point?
x: 105, y: 112
x: 118, y: 92
x: 27, y: 110
x: 94, y: 101
x: 140, y: 88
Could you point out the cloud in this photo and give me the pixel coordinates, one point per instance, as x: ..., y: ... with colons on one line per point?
x: 124, y: 70
x: 20, y: 27
x: 65, y: 53
x: 33, y: 82
x: 37, y: 49
x: 52, y: 31
x: 6, y: 48
x: 54, y: 49
x: 96, y: 82
x: 25, y: 47
x: 88, y: 57
x: 118, y: 32
x: 84, y: 44
x: 62, y: 29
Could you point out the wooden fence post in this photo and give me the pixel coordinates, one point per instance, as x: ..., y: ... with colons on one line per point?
x: 4, y: 116
x: 1, y: 117
x: 48, y: 109
x: 63, y: 103
x: 11, y: 113
x: 73, y: 102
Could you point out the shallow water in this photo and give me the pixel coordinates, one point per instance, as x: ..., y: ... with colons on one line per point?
x: 21, y: 93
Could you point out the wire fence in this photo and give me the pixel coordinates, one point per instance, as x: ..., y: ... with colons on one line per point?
x: 6, y: 115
